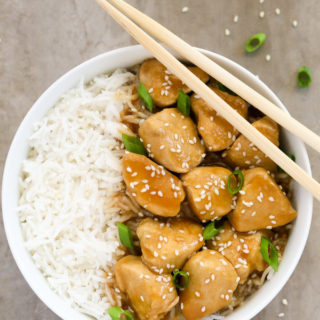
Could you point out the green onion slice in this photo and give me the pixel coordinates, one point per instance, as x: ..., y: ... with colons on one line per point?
x: 183, y: 103
x: 269, y: 253
x: 116, y: 312
x: 304, y: 77
x: 145, y: 96
x: 180, y: 279
x: 255, y: 42
x: 223, y: 88
x: 133, y: 144
x: 239, y: 181
x: 212, y: 229
x: 292, y: 157
x: 125, y: 235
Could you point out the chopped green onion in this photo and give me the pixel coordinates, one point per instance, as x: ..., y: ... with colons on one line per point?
x: 239, y: 181
x: 180, y: 279
x: 145, y: 96
x: 133, y: 144
x: 223, y: 88
x: 116, y: 312
x: 183, y: 103
x: 270, y: 257
x: 255, y: 42
x: 304, y: 77
x: 292, y: 157
x: 212, y: 229
x: 125, y: 235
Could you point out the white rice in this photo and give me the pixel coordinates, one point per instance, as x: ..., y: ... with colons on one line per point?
x: 70, y: 191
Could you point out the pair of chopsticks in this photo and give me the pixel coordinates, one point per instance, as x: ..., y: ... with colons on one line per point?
x: 212, y: 99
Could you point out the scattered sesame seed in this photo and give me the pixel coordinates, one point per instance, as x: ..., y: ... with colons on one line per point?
x: 197, y: 294
x: 227, y: 32
x: 268, y: 57
x: 294, y: 23
x: 185, y: 9
x: 235, y: 18
x: 271, y: 199
x: 181, y: 305
x: 261, y: 1
x: 277, y: 11
x: 141, y: 297
x: 285, y: 302
x: 281, y: 315
x: 203, y: 309
x: 261, y: 14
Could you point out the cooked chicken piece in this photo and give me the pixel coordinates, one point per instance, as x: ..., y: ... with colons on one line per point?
x: 212, y: 283
x: 244, y: 154
x: 162, y: 84
x: 172, y: 140
x: 217, y: 133
x: 261, y: 203
x: 207, y: 192
x: 167, y: 246
x: 152, y: 186
x: 241, y: 249
x: 150, y: 295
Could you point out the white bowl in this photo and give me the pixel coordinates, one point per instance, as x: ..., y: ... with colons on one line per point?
x: 126, y: 57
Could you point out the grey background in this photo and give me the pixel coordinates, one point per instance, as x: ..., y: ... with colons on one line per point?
x: 42, y: 39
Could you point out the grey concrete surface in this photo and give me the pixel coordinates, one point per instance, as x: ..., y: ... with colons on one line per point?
x: 42, y: 39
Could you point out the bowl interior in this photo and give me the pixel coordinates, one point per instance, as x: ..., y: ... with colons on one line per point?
x: 107, y: 62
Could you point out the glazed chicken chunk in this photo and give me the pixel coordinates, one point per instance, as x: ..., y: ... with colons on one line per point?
x: 150, y: 295
x: 241, y: 249
x: 152, y: 186
x: 162, y: 84
x: 212, y: 283
x: 207, y: 192
x: 172, y: 140
x: 261, y: 203
x: 244, y: 154
x: 167, y: 246
x: 217, y: 133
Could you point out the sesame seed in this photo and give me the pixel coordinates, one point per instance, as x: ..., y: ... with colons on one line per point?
x: 129, y: 169
x: 294, y: 23
x: 176, y: 252
x: 285, y: 302
x: 203, y: 309
x: 271, y: 199
x: 235, y: 18
x: 261, y: 1
x: 150, y: 90
x: 253, y: 214
x: 164, y: 297
x: 261, y: 14
x: 197, y: 294
x: 227, y: 32
x: 155, y: 253
x: 142, y: 299
x: 277, y: 11
x: 160, y: 194
x: 185, y: 9
x: 213, y: 277
x: 181, y: 305
x: 162, y: 147
x: 222, y: 296
x: 268, y: 57
x: 281, y: 315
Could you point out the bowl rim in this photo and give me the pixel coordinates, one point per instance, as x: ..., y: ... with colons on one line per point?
x: 23, y: 259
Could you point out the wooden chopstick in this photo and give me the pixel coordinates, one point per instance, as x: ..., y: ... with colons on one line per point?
x: 220, y: 74
x: 213, y: 100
